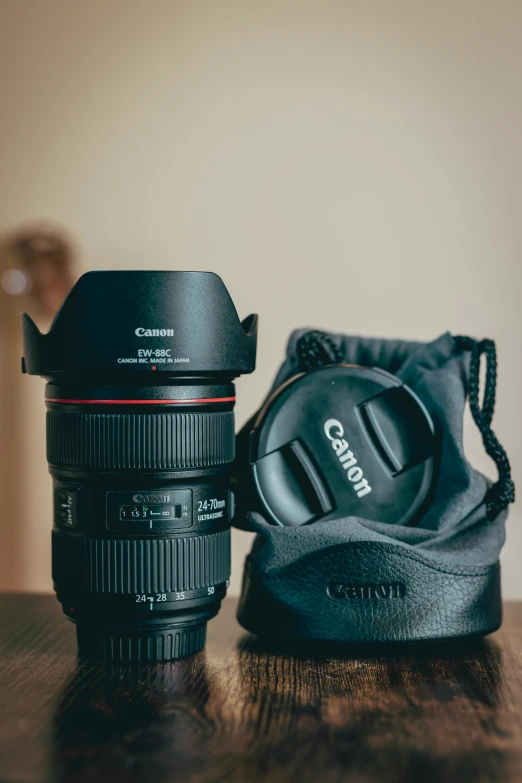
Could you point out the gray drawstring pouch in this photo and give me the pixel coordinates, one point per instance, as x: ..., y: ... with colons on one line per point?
x: 350, y: 579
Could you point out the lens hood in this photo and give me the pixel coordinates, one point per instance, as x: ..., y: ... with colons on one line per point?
x: 182, y: 323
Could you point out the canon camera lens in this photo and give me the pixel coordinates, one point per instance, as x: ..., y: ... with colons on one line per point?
x: 140, y: 439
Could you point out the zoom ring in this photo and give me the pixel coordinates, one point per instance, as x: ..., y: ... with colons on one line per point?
x: 154, y: 441
x: 123, y: 566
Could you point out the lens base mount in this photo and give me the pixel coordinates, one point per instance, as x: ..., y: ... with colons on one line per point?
x: 140, y: 646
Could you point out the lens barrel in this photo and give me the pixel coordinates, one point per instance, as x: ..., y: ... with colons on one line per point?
x: 142, y: 506
x: 142, y: 516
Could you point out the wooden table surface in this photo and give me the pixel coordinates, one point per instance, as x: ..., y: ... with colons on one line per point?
x: 239, y: 712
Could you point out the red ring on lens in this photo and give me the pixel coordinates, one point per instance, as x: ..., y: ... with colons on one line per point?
x: 202, y: 401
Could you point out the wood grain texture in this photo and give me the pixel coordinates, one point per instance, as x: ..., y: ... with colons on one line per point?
x: 241, y: 712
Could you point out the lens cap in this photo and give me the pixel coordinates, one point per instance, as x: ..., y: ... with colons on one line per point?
x: 340, y: 441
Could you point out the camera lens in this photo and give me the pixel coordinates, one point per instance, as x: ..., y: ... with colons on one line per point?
x: 140, y: 440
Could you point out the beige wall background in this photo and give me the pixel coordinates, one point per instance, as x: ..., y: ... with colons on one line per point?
x: 349, y: 165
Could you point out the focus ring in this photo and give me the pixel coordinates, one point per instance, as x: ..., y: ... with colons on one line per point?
x: 136, y: 441
x: 123, y: 566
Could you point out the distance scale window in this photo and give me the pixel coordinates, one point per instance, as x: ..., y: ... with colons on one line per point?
x: 142, y: 512
x: 153, y: 513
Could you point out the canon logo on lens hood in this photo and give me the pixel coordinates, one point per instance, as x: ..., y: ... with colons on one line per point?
x: 140, y: 332
x: 334, y: 431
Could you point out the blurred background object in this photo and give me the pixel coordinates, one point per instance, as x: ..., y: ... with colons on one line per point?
x: 350, y: 164
x: 37, y: 263
x: 36, y: 274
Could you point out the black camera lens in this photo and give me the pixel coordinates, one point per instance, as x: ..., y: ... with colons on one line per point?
x: 140, y: 440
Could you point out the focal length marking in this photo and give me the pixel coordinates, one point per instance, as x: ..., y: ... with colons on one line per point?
x: 346, y: 457
x: 210, y: 509
x: 180, y: 595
